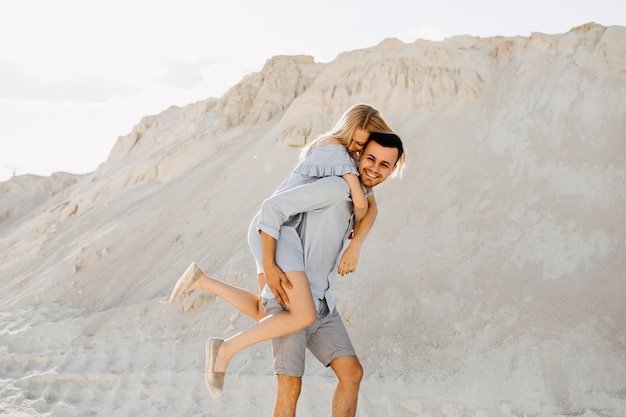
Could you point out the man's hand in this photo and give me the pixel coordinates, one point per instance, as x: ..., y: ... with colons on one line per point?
x: 277, y: 281
x: 275, y: 278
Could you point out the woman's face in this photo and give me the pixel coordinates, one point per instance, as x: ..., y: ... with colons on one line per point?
x: 359, y: 139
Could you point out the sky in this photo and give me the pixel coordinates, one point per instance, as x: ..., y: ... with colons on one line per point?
x: 77, y: 74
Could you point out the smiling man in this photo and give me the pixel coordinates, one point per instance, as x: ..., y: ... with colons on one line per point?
x: 325, y: 211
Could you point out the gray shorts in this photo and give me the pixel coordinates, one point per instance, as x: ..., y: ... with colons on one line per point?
x: 326, y: 339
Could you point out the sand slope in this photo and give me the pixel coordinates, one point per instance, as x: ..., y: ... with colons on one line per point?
x: 492, y: 284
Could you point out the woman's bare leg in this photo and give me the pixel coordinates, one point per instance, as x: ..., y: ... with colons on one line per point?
x: 243, y: 300
x: 299, y: 314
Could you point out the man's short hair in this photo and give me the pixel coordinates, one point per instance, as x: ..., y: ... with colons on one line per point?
x: 388, y: 140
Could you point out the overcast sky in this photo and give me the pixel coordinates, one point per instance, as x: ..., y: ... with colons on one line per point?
x: 77, y: 74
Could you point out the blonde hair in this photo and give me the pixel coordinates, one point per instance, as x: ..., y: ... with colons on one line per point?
x: 400, y: 165
x: 359, y: 116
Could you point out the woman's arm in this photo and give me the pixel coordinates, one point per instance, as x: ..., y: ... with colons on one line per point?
x: 350, y: 256
x: 358, y: 196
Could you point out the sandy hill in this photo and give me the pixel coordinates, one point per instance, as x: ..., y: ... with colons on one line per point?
x: 493, y: 283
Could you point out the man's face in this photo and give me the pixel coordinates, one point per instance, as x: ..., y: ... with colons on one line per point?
x: 376, y: 163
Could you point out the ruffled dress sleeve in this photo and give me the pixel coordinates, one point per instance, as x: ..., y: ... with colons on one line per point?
x: 327, y: 161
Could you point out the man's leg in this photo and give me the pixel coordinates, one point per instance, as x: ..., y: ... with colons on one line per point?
x: 289, y: 356
x: 287, y: 394
x: 349, y: 373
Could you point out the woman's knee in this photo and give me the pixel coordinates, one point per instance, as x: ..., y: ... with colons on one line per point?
x: 309, y: 317
x: 303, y: 318
x: 301, y: 304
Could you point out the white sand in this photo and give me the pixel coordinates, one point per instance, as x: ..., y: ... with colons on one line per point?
x: 492, y: 284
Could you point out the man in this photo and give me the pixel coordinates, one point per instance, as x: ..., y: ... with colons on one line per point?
x: 325, y: 212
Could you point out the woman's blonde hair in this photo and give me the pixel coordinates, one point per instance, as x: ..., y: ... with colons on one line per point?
x: 359, y: 116
x: 366, y: 117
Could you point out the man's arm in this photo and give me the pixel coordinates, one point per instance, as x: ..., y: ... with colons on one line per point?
x: 277, y: 209
x: 317, y: 195
x: 275, y: 278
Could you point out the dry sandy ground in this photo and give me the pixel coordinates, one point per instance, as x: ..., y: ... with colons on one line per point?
x: 492, y: 283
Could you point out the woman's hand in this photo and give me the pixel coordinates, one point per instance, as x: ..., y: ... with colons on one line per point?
x: 349, y: 259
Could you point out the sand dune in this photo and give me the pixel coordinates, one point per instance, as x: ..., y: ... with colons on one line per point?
x: 491, y: 285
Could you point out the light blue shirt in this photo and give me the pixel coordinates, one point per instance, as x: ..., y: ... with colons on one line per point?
x: 319, y: 217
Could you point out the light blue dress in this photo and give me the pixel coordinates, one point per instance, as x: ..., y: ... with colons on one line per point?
x: 319, y: 162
